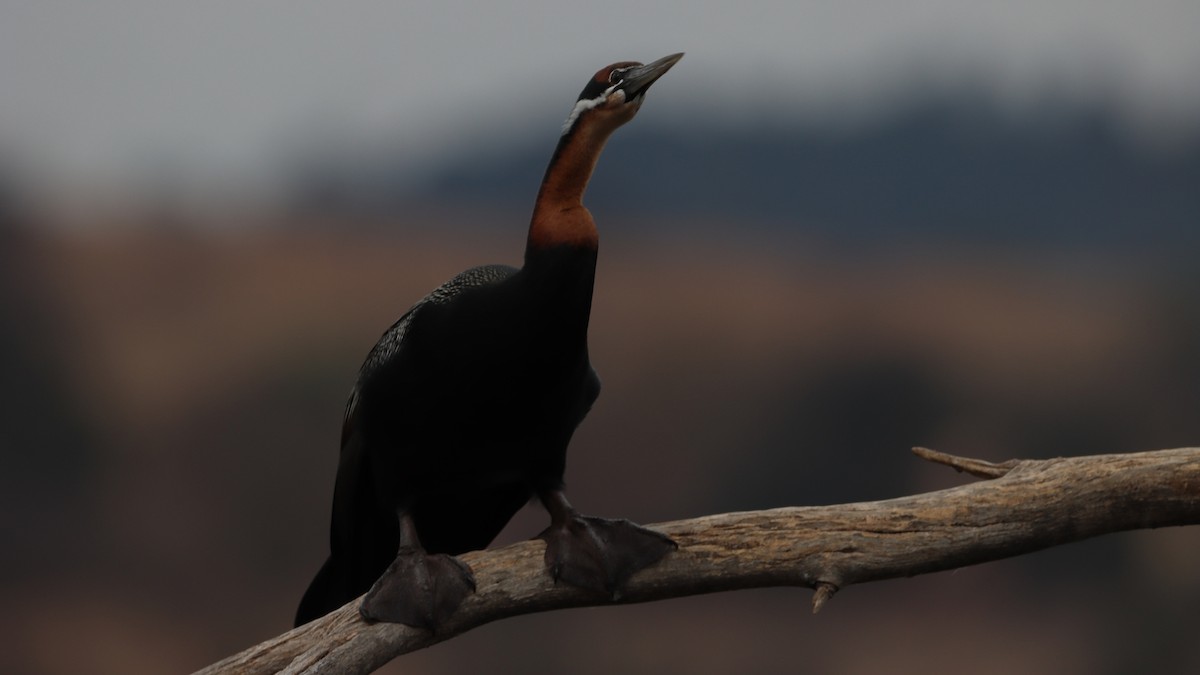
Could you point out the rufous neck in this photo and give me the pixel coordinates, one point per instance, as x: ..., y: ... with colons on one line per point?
x: 559, y: 217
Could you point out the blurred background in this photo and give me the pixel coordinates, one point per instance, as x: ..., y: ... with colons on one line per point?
x: 835, y: 231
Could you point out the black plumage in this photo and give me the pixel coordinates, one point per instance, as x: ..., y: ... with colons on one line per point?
x: 463, y: 410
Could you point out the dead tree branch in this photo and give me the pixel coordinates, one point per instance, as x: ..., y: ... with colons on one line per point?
x: 1026, y: 506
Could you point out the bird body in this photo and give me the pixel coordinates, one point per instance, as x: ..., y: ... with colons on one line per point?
x: 463, y: 410
x: 482, y: 396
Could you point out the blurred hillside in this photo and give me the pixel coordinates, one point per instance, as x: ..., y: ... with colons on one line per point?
x: 948, y: 168
x: 780, y: 314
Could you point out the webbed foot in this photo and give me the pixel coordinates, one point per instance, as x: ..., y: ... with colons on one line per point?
x: 419, y: 589
x: 600, y: 554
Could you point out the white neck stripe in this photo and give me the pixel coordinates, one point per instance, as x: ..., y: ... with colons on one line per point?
x: 586, y: 104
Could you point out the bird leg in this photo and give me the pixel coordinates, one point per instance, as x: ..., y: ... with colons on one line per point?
x: 597, y: 554
x: 418, y: 589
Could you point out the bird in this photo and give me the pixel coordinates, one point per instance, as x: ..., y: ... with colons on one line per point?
x: 463, y: 410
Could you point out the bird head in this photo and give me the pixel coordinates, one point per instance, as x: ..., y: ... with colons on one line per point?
x: 614, y: 94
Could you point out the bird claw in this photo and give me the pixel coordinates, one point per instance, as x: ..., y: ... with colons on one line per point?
x: 419, y: 590
x: 600, y: 554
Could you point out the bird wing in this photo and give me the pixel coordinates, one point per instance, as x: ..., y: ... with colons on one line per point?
x: 392, y: 340
x: 362, y: 536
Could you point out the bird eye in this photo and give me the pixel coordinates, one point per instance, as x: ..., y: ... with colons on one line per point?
x: 616, y: 75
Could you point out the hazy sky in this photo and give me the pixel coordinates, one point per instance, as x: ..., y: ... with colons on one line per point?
x: 112, y: 91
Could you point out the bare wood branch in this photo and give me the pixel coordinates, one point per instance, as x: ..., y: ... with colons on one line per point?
x: 976, y: 467
x: 1026, y: 506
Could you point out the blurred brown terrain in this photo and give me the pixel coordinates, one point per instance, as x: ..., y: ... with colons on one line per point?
x: 172, y: 396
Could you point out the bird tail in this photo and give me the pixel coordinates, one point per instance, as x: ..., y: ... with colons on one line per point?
x: 328, y: 591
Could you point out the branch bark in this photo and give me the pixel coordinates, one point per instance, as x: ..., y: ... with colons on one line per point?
x: 1026, y: 506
